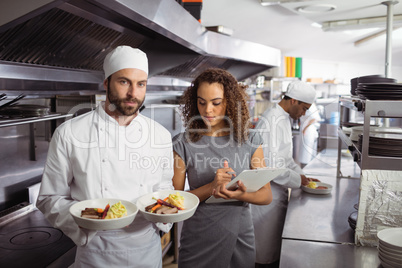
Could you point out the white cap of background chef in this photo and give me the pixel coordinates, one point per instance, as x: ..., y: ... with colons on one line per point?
x: 123, y: 57
x: 301, y: 91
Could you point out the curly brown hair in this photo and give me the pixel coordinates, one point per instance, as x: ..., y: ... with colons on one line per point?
x: 237, y: 113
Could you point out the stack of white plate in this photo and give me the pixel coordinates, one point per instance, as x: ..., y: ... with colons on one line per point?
x: 390, y: 247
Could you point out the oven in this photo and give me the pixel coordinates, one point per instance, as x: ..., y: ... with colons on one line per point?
x: 28, y: 240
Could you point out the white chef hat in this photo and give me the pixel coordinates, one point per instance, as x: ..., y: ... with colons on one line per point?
x: 301, y: 91
x: 123, y: 57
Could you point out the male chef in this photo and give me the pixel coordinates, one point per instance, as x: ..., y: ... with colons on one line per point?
x: 275, y: 128
x: 101, y: 154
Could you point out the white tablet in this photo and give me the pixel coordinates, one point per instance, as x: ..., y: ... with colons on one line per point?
x: 253, y: 179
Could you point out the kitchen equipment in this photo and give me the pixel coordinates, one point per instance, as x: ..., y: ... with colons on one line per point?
x: 30, y: 241
x: 103, y: 224
x: 191, y: 202
x: 24, y: 110
x: 353, y: 219
x: 7, y: 104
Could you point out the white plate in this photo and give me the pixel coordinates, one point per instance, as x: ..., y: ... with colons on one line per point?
x: 389, y: 256
x: 191, y: 202
x: 388, y: 262
x: 358, y: 130
x: 318, y: 191
x: 385, y: 264
x: 103, y: 224
x: 386, y: 248
x: 391, y: 237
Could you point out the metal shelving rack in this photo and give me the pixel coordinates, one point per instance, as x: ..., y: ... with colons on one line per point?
x: 30, y: 121
x: 369, y: 108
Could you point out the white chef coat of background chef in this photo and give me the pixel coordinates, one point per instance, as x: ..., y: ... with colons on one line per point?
x: 276, y: 131
x: 307, y: 139
x: 107, y: 161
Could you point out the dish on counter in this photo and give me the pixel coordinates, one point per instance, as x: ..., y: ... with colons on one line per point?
x: 388, y: 263
x: 191, y: 202
x: 391, y: 237
x: 390, y: 256
x: 103, y: 224
x: 320, y: 188
x: 388, y: 249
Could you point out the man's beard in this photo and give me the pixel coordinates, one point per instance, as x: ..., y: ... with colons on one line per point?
x: 118, y: 103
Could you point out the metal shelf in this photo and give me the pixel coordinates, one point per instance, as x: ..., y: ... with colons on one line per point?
x: 345, y: 138
x: 373, y: 108
x: 29, y: 120
x: 349, y: 102
x: 370, y: 108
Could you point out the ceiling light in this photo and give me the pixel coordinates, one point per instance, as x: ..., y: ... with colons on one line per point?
x: 372, y: 22
x: 318, y: 8
x: 269, y: 2
x: 316, y: 25
x: 276, y: 2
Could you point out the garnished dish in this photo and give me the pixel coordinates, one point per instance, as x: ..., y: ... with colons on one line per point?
x: 316, y: 187
x: 103, y: 213
x: 313, y: 185
x: 168, y: 206
x: 115, y: 211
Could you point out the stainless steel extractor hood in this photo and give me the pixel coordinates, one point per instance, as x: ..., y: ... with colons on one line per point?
x: 60, y: 45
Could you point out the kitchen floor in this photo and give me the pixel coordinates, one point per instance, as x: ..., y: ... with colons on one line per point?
x: 168, y: 262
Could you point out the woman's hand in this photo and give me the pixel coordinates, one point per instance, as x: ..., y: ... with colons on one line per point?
x: 222, y: 177
x: 222, y: 192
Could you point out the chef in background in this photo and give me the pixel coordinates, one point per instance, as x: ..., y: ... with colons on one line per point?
x: 100, y: 155
x: 309, y: 125
x: 275, y: 128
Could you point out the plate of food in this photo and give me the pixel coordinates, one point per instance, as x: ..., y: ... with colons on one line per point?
x: 168, y: 206
x: 316, y: 187
x: 103, y: 213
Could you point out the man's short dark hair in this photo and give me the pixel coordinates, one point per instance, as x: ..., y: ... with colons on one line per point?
x: 288, y: 98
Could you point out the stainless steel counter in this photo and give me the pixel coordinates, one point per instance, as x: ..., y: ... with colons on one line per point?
x: 316, y: 231
x: 309, y: 254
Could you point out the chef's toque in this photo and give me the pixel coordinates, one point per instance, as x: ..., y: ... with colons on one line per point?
x: 123, y: 57
x: 301, y: 91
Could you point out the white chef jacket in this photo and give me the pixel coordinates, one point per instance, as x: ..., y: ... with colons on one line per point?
x: 90, y: 157
x: 308, y: 140
x: 275, y: 128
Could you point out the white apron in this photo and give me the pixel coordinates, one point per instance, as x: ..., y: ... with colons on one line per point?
x: 121, y: 249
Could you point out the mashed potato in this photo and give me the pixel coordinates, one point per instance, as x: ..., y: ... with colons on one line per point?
x: 176, y: 200
x: 312, y: 185
x: 117, y: 210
